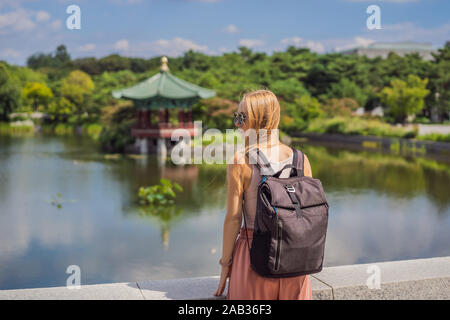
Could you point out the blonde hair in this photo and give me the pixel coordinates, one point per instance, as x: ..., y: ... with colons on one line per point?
x: 262, y: 109
x: 263, y: 117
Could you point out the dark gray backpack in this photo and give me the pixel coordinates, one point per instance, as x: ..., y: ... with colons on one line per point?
x: 291, y: 222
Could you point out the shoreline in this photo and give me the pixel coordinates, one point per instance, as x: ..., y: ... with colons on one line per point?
x: 382, y: 144
x: 422, y: 279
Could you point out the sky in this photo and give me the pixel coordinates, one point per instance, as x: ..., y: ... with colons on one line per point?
x: 140, y: 28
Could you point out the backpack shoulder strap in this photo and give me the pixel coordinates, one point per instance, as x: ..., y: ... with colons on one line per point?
x: 299, y: 162
x: 258, y: 158
x: 297, y: 165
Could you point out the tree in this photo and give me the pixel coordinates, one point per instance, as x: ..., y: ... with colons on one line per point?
x: 40, y: 60
x: 288, y: 89
x: 340, y: 107
x: 405, y: 97
x: 37, y: 93
x: 348, y: 89
x: 60, y: 109
x: 77, y: 88
x: 61, y: 55
x: 440, y: 84
x: 295, y: 116
x: 114, y: 62
x: 9, y: 92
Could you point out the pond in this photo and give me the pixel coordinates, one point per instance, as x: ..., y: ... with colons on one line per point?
x: 383, y: 207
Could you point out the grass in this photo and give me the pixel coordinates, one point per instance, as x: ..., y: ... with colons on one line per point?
x: 358, y: 126
x: 435, y: 137
x: 61, y: 129
x: 7, y: 129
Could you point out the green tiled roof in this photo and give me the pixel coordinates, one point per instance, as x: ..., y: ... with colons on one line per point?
x: 163, y: 86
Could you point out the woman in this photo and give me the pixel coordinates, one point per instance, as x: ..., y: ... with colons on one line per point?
x: 258, y: 110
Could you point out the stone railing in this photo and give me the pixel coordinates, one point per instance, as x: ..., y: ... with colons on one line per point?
x: 409, y: 279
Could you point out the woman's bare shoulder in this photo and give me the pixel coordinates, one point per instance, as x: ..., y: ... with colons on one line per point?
x: 307, y: 166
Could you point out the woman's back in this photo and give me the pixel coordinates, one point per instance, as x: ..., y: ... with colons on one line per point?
x: 251, y: 192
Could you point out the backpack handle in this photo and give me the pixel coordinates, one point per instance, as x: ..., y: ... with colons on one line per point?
x: 298, y: 168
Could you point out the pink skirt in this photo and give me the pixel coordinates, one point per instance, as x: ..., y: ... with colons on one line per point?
x: 245, y: 284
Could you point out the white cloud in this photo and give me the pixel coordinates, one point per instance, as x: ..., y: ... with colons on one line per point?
x: 122, y: 45
x: 315, y: 46
x: 56, y: 25
x: 251, y: 43
x: 294, y: 41
x: 392, y: 1
x: 401, y: 32
x: 174, y: 47
x: 18, y: 20
x: 127, y: 1
x: 231, y: 28
x: 42, y: 16
x: 9, y: 53
x: 408, y: 31
x: 87, y: 47
x: 357, y: 42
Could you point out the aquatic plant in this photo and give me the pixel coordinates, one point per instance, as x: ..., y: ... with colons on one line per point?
x: 160, y: 194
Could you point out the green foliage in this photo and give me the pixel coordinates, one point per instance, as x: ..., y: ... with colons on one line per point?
x: 117, y: 122
x: 308, y: 85
x: 358, y: 126
x: 7, y: 129
x: 439, y: 84
x: 340, y: 107
x: 76, y: 88
x: 289, y: 89
x: 9, y: 92
x: 57, y: 59
x: 60, y: 109
x: 435, y: 137
x: 215, y: 113
x: 349, y: 89
x: 93, y: 130
x: 160, y: 194
x: 37, y: 94
x: 405, y: 97
x: 300, y: 113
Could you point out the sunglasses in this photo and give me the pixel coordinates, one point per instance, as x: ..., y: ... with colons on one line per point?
x: 239, y: 117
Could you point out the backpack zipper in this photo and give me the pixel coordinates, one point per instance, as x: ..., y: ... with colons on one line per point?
x: 278, y: 251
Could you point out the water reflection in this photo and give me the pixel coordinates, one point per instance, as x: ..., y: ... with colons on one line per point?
x: 383, y: 207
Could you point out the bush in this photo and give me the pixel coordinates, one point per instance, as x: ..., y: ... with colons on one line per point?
x: 435, y: 137
x: 7, y: 129
x: 340, y: 107
x: 93, y: 130
x: 115, y: 134
x: 160, y: 194
x: 115, y: 137
x: 357, y: 126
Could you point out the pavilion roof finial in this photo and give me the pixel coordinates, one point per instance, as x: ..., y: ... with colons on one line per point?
x: 164, y: 66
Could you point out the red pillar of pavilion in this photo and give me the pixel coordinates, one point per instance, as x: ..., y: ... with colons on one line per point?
x: 181, y: 118
x: 166, y: 117
x: 145, y: 119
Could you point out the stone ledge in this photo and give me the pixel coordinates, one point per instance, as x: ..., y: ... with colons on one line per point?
x: 409, y: 279
x: 113, y: 291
